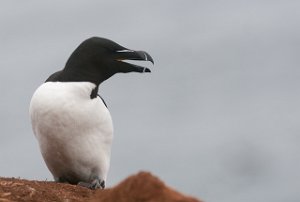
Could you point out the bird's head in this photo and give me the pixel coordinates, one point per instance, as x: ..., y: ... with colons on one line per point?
x: 96, y: 59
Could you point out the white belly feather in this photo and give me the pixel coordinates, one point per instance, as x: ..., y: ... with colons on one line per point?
x: 74, y: 132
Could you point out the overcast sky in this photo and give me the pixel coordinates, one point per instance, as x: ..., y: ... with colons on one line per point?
x: 218, y: 117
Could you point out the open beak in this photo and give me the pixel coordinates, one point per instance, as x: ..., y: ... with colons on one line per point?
x: 127, y: 54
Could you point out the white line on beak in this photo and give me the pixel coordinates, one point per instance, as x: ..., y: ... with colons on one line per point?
x: 124, y: 51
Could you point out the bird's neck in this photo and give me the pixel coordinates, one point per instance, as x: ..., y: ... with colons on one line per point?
x: 94, y: 92
x: 85, y: 73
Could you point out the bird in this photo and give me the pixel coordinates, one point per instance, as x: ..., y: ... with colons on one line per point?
x: 71, y: 122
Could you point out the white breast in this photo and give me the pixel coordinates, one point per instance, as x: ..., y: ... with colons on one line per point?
x: 74, y: 132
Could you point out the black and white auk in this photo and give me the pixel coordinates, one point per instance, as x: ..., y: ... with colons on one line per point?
x: 71, y: 121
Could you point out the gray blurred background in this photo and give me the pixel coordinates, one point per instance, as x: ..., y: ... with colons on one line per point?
x: 218, y: 117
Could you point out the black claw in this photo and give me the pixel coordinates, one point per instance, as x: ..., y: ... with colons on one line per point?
x: 102, y: 184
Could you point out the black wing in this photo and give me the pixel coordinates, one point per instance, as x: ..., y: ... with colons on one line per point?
x: 102, y: 100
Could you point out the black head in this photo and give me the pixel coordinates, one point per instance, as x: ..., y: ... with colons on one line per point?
x: 96, y: 59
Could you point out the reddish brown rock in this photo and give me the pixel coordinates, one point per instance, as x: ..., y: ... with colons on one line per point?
x: 142, y: 187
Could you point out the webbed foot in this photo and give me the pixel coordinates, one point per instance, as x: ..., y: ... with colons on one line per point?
x: 95, y: 184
